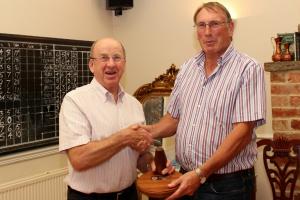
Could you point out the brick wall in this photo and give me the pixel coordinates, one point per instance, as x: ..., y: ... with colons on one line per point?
x: 285, y: 96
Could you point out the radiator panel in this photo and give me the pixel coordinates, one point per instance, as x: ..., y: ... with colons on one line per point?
x: 47, y: 186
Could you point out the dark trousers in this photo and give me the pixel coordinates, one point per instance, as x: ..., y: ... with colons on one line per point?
x: 234, y: 186
x: 129, y: 193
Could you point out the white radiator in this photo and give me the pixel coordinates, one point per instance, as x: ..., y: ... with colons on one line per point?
x: 47, y: 186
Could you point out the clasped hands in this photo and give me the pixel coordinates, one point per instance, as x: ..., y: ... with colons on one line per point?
x: 140, y: 140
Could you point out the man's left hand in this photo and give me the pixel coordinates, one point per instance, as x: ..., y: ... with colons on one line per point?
x: 188, y: 183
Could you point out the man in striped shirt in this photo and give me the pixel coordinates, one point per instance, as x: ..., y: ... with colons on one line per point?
x: 217, y: 102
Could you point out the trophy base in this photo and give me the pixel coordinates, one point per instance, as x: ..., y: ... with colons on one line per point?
x: 156, y: 186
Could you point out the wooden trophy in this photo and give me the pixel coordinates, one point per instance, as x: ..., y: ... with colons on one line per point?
x: 154, y: 184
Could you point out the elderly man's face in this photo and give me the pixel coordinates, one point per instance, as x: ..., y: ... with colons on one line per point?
x: 108, y: 64
x: 213, y: 31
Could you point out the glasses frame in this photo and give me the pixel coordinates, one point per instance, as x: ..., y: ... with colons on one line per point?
x: 213, y: 25
x: 105, y: 59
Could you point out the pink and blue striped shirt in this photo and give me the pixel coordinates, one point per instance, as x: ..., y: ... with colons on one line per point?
x: 209, y: 106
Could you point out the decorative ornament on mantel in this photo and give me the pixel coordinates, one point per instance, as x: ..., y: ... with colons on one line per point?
x: 286, y: 55
x: 277, y: 49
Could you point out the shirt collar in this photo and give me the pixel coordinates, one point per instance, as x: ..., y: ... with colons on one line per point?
x: 107, y: 96
x: 200, y: 57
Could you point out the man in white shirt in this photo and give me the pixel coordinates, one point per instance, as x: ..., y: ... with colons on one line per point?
x: 98, y: 132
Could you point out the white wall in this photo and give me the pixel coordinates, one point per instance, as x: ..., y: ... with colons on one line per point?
x: 71, y: 19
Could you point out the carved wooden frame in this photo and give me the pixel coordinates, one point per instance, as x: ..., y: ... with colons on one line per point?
x: 161, y: 86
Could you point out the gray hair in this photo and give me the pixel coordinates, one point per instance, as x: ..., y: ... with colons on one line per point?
x: 213, y: 6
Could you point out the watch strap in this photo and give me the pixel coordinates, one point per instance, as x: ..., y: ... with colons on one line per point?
x: 198, y: 172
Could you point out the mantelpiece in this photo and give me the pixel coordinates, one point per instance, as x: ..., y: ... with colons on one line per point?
x: 282, y: 66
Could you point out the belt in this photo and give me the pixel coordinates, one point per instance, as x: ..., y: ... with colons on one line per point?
x: 111, y: 195
x: 216, y: 177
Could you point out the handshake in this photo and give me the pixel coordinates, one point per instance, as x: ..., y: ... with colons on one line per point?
x: 140, y: 137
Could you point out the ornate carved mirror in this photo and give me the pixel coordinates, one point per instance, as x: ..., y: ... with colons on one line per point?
x: 154, y: 96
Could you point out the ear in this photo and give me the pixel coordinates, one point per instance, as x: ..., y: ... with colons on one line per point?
x: 91, y: 65
x: 231, y: 28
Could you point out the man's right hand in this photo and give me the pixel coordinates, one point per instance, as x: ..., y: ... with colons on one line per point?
x: 139, y: 138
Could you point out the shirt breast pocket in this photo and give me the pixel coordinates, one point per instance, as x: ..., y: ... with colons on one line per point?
x: 220, y: 107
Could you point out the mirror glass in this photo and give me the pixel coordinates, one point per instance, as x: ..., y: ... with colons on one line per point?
x: 154, y: 109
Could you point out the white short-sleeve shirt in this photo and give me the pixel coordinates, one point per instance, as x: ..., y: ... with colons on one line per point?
x: 89, y: 113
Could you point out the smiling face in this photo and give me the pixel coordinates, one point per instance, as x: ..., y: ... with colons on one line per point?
x: 214, y: 40
x: 107, y: 63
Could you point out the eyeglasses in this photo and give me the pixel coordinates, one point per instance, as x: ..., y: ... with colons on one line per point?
x: 104, y: 58
x: 212, y: 25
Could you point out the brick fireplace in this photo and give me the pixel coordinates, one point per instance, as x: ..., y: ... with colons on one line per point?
x: 285, y: 100
x: 285, y: 97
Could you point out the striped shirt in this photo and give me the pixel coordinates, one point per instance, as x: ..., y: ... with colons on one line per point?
x: 207, y: 107
x: 90, y: 113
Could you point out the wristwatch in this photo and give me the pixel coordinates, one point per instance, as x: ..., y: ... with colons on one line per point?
x: 198, y: 173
